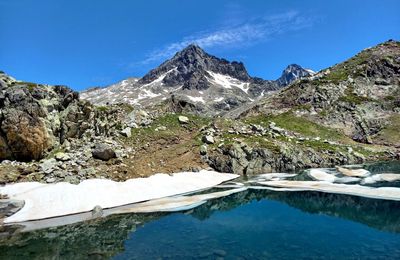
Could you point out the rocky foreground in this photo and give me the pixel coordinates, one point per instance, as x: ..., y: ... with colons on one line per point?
x: 349, y: 113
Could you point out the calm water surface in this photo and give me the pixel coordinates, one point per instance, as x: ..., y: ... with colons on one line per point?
x: 249, y: 225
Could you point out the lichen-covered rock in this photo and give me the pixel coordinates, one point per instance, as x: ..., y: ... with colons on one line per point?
x: 36, y: 118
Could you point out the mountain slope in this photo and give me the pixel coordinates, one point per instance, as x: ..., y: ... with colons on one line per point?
x: 360, y: 97
x: 194, y: 81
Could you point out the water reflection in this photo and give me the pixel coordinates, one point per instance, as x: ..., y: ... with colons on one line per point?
x: 104, y: 238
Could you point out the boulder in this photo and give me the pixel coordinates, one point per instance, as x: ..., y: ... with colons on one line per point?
x: 208, y: 139
x: 97, y: 211
x: 60, y: 156
x: 183, y: 119
x: 203, y: 149
x: 103, y: 152
x: 47, y: 166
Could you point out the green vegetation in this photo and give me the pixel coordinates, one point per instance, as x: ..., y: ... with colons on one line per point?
x: 351, y: 67
x: 351, y: 97
x: 102, y: 108
x: 390, y: 133
x: 303, y: 107
x: 53, y: 152
x: 173, y: 129
x: 300, y: 125
x: 389, y: 98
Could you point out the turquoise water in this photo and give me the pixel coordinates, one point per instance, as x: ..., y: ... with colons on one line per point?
x: 252, y: 224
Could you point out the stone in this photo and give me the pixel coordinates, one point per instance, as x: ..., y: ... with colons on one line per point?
x: 103, y: 152
x: 50, y: 180
x: 9, y: 207
x: 48, y: 165
x: 161, y: 128
x: 97, y: 212
x: 203, y: 149
x: 60, y: 156
x: 127, y: 132
x: 208, y: 139
x: 183, y: 119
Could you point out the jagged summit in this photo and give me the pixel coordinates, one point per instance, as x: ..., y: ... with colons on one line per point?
x: 191, y: 66
x: 192, y: 79
x: 293, y: 72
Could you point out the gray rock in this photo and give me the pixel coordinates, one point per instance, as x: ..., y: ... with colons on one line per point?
x: 47, y: 166
x: 183, y: 119
x: 208, y: 139
x: 97, y: 212
x: 50, y: 180
x: 161, y: 128
x: 127, y: 132
x: 203, y: 149
x: 60, y: 156
x: 8, y: 207
x: 103, y: 152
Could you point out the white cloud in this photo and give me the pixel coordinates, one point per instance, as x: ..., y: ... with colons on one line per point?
x: 244, y: 34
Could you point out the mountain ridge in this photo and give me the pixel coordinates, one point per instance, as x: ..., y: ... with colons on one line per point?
x: 192, y: 79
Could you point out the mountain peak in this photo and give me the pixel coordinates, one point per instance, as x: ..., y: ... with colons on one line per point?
x: 192, y: 64
x: 291, y: 73
x: 192, y: 48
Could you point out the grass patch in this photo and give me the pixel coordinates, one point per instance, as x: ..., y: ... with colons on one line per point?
x: 351, y: 97
x: 390, y: 133
x: 102, y: 108
x: 300, y: 125
x: 173, y: 128
x: 252, y: 141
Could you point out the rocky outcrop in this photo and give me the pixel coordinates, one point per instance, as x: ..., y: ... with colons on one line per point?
x: 36, y: 118
x: 359, y: 97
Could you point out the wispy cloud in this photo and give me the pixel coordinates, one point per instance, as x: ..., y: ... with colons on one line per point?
x: 247, y: 33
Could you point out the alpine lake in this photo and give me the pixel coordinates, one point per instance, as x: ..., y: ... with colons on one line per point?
x: 252, y: 224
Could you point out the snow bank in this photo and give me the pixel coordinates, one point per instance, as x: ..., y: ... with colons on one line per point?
x: 60, y: 199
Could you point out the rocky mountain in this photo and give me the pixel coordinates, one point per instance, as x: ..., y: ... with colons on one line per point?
x: 348, y: 113
x: 194, y: 81
x: 292, y: 73
x: 360, y: 97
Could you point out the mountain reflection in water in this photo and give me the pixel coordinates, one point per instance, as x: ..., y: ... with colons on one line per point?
x: 105, y: 238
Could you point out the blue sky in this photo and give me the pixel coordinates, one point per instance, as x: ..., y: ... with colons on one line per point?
x: 99, y: 42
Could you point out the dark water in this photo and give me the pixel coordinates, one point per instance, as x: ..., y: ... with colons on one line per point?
x: 252, y: 224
